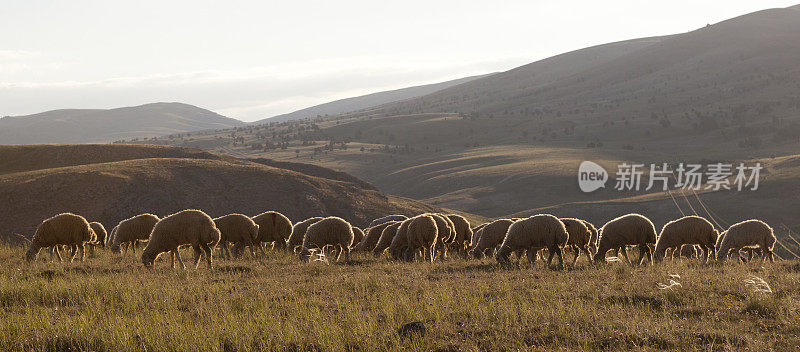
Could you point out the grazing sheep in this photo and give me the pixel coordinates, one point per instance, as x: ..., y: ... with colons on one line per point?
x: 63, y: 229
x: 463, y: 240
x: 273, y: 227
x: 490, y: 236
x: 747, y: 234
x: 100, y: 234
x: 386, y: 237
x: 111, y: 235
x: 579, y: 237
x: 330, y: 231
x: 358, y: 235
x: 532, y: 234
x: 446, y: 234
x: 630, y: 229
x: 132, y: 230
x: 593, y: 237
x: 187, y: 227
x: 372, y: 238
x: 239, y: 229
x: 298, y: 232
x: 688, y: 230
x: 475, y: 235
x: 422, y: 235
x: 399, y: 248
x: 386, y: 219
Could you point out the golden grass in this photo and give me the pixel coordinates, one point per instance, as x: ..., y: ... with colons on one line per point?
x: 110, y: 303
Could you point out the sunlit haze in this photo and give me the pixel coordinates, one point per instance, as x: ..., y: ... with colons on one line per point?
x: 252, y: 60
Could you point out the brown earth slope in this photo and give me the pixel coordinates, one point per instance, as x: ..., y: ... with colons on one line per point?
x: 112, y: 191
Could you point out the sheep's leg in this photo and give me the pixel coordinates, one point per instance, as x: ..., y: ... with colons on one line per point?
x: 178, y: 257
x: 261, y: 248
x: 208, y: 253
x: 577, y: 254
x: 532, y: 257
x: 739, y: 255
x: 346, y: 251
x: 643, y: 250
x: 624, y: 251
x: 588, y: 255
x: 58, y: 253
x: 82, y: 248
x: 197, y: 255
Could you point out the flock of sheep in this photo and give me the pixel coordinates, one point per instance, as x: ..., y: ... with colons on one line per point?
x: 423, y: 237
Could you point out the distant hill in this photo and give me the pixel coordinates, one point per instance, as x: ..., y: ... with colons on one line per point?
x: 97, y: 126
x: 110, y: 191
x: 365, y: 101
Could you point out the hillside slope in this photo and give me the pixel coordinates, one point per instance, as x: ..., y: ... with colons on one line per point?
x: 87, y: 126
x: 365, y: 101
x: 112, y: 191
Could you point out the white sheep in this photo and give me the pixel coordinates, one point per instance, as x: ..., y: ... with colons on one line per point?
x: 187, y: 227
x: 747, y: 234
x: 63, y: 229
x: 630, y: 229
x: 490, y: 236
x: 239, y: 229
x: 688, y: 230
x: 422, y: 235
x: 132, y: 230
x: 330, y: 231
x: 532, y: 234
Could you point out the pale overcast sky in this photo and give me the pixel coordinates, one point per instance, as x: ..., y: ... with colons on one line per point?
x: 255, y: 59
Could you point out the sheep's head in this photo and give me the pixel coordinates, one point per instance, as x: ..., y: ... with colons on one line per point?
x: 115, y: 248
x: 658, y: 256
x: 30, y: 255
x: 148, y: 259
x: 254, y: 232
x: 306, y: 254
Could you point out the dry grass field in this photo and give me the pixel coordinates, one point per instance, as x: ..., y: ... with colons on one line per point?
x: 111, y: 303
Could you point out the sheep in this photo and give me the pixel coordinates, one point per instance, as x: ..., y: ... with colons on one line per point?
x: 630, y: 229
x: 399, y: 248
x: 475, y: 234
x: 62, y: 229
x: 593, y: 237
x: 239, y: 229
x: 273, y: 227
x: 386, y: 219
x: 490, y: 236
x: 422, y: 235
x: 298, y: 232
x: 100, y: 234
x: 372, y: 238
x: 386, y: 237
x: 187, y: 227
x: 747, y: 234
x: 463, y: 240
x: 536, y: 232
x: 111, y: 235
x: 358, y: 235
x: 330, y: 231
x: 446, y: 234
x: 687, y: 230
x: 132, y: 230
x: 579, y: 237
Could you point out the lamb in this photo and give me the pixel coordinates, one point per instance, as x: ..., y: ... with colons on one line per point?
x: 100, y: 234
x: 630, y: 229
x: 369, y: 242
x: 463, y: 240
x: 579, y: 237
x: 422, y: 235
x: 239, y: 229
x: 532, y: 234
x: 490, y: 236
x: 399, y: 248
x: 386, y: 219
x: 298, y: 232
x: 747, y: 234
x: 330, y: 231
x: 688, y: 230
x: 386, y: 237
x: 273, y: 227
x: 62, y: 229
x: 132, y: 230
x: 358, y: 235
x: 187, y: 227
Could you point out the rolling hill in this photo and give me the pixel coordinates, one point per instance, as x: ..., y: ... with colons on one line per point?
x: 127, y: 180
x: 97, y: 125
x: 366, y: 101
